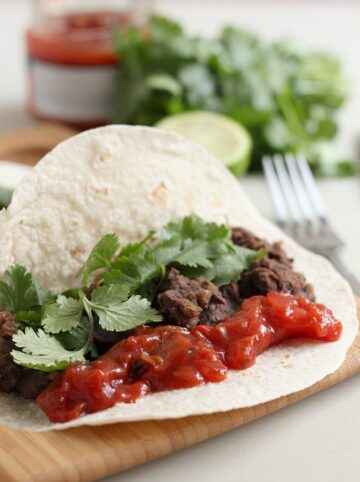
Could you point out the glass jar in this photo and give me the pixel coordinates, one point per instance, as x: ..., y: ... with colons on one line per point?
x: 71, y: 60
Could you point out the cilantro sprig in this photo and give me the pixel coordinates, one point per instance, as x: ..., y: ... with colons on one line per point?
x: 199, y: 248
x: 117, y: 311
x: 58, y: 330
x: 43, y: 350
x: 288, y: 98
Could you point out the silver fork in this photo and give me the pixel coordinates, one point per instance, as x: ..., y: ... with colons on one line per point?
x: 300, y: 211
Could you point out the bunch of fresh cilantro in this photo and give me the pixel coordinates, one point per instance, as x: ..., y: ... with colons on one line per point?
x: 286, y: 98
x: 57, y: 330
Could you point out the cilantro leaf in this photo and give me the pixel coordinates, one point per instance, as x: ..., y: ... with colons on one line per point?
x: 19, y: 291
x: 136, y: 248
x: 43, y: 352
x: 194, y: 253
x: 196, y: 228
x: 228, y: 267
x: 141, y: 273
x: 101, y: 256
x: 76, y: 337
x: 43, y: 295
x: 167, y: 250
x: 116, y: 312
x: 63, y: 315
x: 191, y: 242
x: 71, y: 293
x: 30, y: 317
x: 104, y: 294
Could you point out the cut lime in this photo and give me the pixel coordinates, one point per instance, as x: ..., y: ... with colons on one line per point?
x: 227, y: 140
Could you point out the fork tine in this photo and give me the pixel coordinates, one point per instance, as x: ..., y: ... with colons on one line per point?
x: 287, y: 191
x: 275, y: 191
x: 311, y: 187
x: 317, y: 203
x: 298, y: 186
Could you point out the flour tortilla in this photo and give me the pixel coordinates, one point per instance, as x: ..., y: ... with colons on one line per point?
x: 127, y: 180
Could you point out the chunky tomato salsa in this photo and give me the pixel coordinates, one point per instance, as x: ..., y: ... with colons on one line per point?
x: 170, y: 357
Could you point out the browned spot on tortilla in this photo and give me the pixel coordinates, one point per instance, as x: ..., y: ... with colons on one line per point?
x: 216, y: 203
x: 98, y: 188
x: 287, y: 355
x: 104, y: 156
x: 77, y: 250
x: 102, y: 190
x: 289, y: 365
x: 160, y: 194
x: 74, y: 223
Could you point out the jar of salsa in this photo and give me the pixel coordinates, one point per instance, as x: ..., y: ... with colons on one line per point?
x: 71, y: 60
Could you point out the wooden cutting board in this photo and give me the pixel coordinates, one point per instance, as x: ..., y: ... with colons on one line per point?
x: 90, y: 453
x: 32, y: 143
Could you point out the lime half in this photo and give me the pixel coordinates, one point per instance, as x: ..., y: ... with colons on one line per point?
x: 227, y: 140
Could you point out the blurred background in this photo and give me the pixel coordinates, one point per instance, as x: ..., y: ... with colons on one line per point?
x: 285, y: 74
x: 59, y: 60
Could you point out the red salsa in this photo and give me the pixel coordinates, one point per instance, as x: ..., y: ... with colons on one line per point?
x: 170, y: 357
x: 77, y: 39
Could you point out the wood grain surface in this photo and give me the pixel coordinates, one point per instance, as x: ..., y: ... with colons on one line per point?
x: 90, y: 453
x: 30, y: 144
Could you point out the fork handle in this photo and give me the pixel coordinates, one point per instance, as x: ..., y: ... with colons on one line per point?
x: 345, y: 272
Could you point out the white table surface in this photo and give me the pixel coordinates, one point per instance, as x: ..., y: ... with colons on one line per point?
x: 319, y: 438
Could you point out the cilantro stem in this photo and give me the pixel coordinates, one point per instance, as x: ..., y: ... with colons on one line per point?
x: 163, y: 272
x: 90, y: 336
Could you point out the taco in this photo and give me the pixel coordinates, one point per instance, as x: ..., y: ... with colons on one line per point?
x: 138, y: 282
